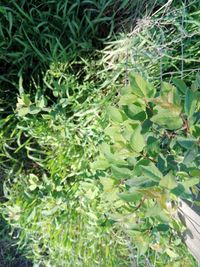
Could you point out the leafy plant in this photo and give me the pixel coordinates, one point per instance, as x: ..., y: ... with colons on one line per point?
x: 162, y: 45
x: 152, y: 157
x: 35, y: 34
x: 62, y: 223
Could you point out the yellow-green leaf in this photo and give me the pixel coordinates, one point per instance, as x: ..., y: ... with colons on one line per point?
x: 114, y: 114
x: 168, y: 181
x: 137, y: 141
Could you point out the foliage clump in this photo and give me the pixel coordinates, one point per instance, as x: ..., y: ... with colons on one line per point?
x: 152, y: 161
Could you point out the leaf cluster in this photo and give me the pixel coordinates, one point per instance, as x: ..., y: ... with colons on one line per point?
x: 152, y: 157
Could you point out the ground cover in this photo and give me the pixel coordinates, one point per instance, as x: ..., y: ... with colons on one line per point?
x: 63, y: 69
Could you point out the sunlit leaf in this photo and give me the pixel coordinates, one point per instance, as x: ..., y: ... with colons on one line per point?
x: 170, y: 119
x: 114, y: 114
x: 137, y: 141
x: 168, y: 181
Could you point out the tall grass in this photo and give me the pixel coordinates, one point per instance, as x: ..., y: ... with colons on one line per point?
x: 161, y: 46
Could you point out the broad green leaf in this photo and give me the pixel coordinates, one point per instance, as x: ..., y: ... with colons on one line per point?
x: 168, y: 181
x: 180, y: 85
x: 166, y: 88
x: 107, y: 183
x: 128, y: 128
x: 137, y: 140
x: 135, y: 112
x: 151, y: 172
x: 194, y: 172
x: 179, y: 190
x: 101, y: 164
x: 174, y: 97
x: 134, y: 86
x: 190, y: 102
x: 196, y: 85
x: 34, y: 110
x: 121, y: 173
x: 23, y: 111
x: 153, y: 211
x: 190, y: 155
x: 141, y: 182
x: 158, y: 213
x: 162, y: 227
x: 186, y: 143
x: 169, y: 94
x: 114, y: 114
x: 170, y: 119
x: 140, y: 87
x: 130, y: 196
x: 127, y: 99
x: 115, y: 133
x: 142, y: 162
x: 195, y: 130
x: 191, y: 182
x: 153, y: 146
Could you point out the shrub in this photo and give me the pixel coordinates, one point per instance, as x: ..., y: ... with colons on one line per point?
x: 152, y: 160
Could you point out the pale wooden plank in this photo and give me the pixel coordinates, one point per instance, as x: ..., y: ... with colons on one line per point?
x: 191, y: 219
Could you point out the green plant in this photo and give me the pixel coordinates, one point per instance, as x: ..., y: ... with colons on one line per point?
x: 62, y: 223
x: 35, y: 34
x: 162, y: 45
x: 152, y: 159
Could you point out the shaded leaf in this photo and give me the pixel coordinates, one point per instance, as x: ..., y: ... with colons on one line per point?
x: 135, y: 112
x: 180, y: 85
x: 130, y: 196
x: 152, y: 172
x: 190, y: 102
x: 186, y: 143
x: 121, y: 173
